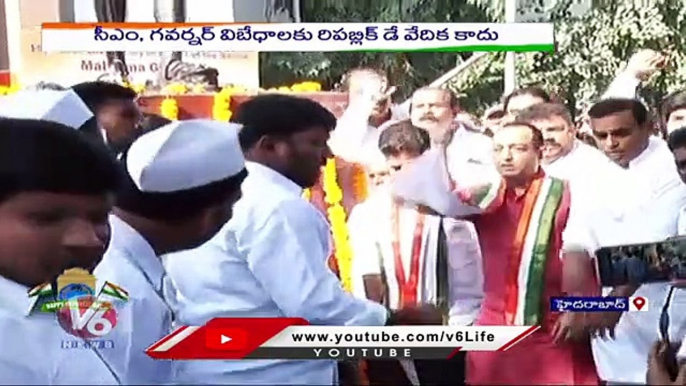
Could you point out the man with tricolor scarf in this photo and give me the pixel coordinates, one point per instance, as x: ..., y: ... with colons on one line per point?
x: 520, y: 233
x: 404, y: 257
x: 520, y: 216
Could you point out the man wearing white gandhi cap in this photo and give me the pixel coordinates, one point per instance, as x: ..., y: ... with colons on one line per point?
x: 61, y: 106
x: 181, y: 182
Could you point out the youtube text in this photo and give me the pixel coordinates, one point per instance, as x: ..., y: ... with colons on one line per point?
x: 363, y: 353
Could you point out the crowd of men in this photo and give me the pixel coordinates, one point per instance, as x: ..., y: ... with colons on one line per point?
x: 199, y: 219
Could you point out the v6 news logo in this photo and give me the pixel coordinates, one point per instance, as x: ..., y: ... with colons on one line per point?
x: 86, y: 317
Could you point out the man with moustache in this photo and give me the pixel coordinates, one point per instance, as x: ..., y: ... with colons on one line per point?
x: 562, y: 153
x: 435, y: 110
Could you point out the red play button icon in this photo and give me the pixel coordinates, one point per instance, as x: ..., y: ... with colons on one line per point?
x: 226, y: 338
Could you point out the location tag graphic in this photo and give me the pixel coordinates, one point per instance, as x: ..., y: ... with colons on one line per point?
x: 638, y: 303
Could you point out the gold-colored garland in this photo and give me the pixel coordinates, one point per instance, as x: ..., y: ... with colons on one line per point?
x: 169, y: 108
x: 333, y: 198
x: 221, y: 108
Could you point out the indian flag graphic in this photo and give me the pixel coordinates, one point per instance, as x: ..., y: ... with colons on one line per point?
x: 115, y: 291
x: 41, y: 290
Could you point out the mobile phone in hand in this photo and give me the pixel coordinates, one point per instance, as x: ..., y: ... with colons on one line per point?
x: 642, y: 263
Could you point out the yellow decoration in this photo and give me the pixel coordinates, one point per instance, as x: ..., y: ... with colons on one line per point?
x: 333, y: 196
x: 7, y: 90
x: 360, y: 183
x: 169, y: 108
x: 175, y: 89
x: 307, y: 194
x: 221, y: 108
x: 306, y: 87
x: 138, y: 88
x: 199, y: 89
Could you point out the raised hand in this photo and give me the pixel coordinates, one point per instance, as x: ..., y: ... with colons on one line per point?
x: 645, y: 63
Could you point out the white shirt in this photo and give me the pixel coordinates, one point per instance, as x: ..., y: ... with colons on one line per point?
x: 624, y: 359
x: 131, y: 263
x: 354, y: 139
x: 32, y: 352
x: 468, y: 146
x: 594, y: 181
x: 370, y: 238
x: 269, y: 260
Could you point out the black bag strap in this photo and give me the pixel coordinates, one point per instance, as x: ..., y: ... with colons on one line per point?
x: 442, y: 279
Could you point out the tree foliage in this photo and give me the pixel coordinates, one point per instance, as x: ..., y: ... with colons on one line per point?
x: 591, y: 49
x: 406, y: 70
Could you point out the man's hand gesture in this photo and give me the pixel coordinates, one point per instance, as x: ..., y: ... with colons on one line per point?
x: 645, y: 63
x: 662, y: 366
x: 570, y: 326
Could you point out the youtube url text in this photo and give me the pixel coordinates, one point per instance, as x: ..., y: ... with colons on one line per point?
x: 457, y: 337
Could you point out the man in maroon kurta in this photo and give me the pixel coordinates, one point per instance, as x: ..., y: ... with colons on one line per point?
x: 521, y: 241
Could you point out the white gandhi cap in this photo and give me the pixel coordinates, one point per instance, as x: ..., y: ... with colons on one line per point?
x: 63, y: 107
x: 185, y: 155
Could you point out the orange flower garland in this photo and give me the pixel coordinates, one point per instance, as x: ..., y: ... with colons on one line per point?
x: 333, y: 196
x: 360, y: 183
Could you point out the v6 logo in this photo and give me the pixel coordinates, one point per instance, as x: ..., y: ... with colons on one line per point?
x: 86, y: 317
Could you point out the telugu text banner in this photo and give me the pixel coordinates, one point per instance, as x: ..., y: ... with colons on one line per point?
x: 298, y: 37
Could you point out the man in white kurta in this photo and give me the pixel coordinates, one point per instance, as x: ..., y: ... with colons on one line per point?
x: 270, y: 259
x: 265, y: 280
x: 371, y: 234
x: 173, y: 199
x: 53, y: 214
x: 585, y: 167
x: 619, y: 125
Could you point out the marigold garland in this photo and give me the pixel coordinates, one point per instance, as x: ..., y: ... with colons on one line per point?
x: 169, y: 108
x: 333, y: 197
x: 360, y: 184
x: 221, y: 109
x: 7, y: 90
